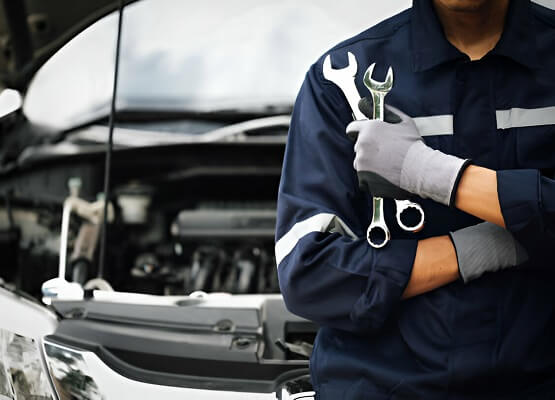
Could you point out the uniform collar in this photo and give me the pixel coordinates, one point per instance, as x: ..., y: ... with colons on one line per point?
x: 518, y: 41
x: 431, y: 48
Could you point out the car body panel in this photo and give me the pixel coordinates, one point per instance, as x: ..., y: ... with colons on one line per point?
x: 32, y: 30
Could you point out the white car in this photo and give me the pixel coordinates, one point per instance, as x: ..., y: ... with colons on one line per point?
x: 179, y: 299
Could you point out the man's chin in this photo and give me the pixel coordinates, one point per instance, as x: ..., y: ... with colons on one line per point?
x: 463, y: 5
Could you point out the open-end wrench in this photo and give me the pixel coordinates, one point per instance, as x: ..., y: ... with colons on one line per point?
x: 378, y: 234
x: 379, y: 90
x: 344, y: 79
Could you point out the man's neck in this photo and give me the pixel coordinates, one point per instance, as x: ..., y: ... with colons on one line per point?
x: 474, y: 33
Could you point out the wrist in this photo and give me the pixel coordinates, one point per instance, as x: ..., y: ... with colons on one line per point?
x: 467, y: 163
x: 452, y: 239
x: 435, y: 265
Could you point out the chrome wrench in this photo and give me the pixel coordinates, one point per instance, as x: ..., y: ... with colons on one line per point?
x: 378, y: 234
x: 379, y: 90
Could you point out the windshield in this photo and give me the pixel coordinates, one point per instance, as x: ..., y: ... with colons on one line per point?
x: 202, y: 56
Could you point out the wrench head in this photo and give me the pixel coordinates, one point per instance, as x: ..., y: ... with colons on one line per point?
x: 335, y: 75
x: 378, y: 235
x: 377, y: 86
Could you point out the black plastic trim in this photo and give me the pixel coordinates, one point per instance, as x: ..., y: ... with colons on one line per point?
x: 267, y: 381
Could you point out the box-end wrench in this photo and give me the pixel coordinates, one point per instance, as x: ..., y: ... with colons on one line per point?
x: 378, y: 234
x: 379, y: 90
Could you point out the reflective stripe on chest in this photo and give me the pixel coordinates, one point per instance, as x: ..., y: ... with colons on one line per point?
x: 441, y: 125
x: 525, y: 117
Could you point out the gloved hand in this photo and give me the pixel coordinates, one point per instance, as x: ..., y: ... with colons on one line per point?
x: 397, y: 153
x: 371, y: 182
x: 486, y: 248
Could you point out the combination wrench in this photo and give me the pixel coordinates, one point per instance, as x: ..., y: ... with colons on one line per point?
x: 379, y: 90
x: 378, y: 234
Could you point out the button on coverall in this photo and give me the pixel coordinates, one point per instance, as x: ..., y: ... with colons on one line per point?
x: 490, y: 339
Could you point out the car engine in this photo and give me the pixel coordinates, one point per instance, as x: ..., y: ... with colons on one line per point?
x: 183, y: 219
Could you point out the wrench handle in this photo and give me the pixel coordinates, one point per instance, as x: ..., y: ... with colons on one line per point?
x: 353, y: 97
x: 377, y: 203
x: 378, y: 98
x: 378, y: 234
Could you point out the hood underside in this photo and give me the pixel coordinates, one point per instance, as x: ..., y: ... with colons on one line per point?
x: 32, y: 30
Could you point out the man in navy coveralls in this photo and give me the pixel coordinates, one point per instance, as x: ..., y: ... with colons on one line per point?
x: 464, y: 309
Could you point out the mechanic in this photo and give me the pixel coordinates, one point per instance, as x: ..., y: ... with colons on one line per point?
x: 464, y: 309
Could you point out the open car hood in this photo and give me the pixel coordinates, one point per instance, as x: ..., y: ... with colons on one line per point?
x: 32, y: 30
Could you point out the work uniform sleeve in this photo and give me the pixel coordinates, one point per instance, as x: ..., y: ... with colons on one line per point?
x: 527, y: 202
x: 327, y: 271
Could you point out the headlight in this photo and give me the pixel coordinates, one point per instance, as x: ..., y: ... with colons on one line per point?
x: 22, y: 375
x: 70, y: 374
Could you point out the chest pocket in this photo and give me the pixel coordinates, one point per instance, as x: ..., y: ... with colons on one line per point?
x: 534, y: 132
x: 535, y: 146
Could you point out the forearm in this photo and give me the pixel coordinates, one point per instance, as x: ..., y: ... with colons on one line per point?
x: 522, y: 201
x: 435, y: 265
x: 477, y: 195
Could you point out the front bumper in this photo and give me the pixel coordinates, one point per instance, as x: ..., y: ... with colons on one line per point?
x: 123, y: 349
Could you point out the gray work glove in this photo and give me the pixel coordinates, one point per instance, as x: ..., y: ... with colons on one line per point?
x: 397, y: 153
x: 370, y: 182
x: 486, y: 248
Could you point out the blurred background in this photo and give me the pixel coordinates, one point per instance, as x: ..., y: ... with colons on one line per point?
x: 189, y: 288
x: 209, y: 55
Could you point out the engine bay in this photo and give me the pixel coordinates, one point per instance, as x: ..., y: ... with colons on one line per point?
x: 184, y: 218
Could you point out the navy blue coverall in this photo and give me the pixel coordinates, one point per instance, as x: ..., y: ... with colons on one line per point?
x: 492, y: 338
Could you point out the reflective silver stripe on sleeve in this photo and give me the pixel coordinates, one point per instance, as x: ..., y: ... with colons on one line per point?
x: 546, y: 3
x: 523, y: 117
x: 435, y: 125
x: 318, y: 223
